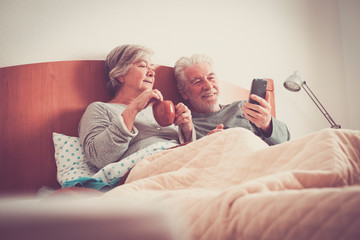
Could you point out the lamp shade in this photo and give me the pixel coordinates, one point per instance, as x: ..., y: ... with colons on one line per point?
x: 293, y: 82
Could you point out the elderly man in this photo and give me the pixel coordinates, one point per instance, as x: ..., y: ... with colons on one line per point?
x: 198, y: 85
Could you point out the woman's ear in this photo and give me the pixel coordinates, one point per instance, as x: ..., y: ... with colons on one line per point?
x: 121, y: 79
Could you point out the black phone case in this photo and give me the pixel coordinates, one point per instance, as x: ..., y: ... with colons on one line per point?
x: 258, y: 87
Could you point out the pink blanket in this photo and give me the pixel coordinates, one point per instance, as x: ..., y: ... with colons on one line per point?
x: 231, y: 185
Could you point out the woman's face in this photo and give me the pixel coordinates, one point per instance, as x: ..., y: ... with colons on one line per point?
x: 140, y: 76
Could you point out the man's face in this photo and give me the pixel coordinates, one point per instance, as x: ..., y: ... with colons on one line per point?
x: 201, y: 88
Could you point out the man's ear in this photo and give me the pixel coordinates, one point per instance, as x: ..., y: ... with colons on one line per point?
x: 183, y: 94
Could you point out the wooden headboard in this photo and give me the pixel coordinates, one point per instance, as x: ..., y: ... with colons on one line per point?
x: 39, y: 99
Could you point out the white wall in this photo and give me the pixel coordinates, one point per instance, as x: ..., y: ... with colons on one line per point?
x: 246, y: 38
x: 350, y: 29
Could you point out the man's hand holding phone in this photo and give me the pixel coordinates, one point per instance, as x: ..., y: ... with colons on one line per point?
x: 257, y: 109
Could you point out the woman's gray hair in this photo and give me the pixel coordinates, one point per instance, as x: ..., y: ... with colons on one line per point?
x: 119, y: 61
x: 185, y: 62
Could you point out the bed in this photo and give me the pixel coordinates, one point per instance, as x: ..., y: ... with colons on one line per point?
x: 228, y: 185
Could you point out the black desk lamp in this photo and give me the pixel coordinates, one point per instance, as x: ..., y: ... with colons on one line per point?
x: 293, y: 83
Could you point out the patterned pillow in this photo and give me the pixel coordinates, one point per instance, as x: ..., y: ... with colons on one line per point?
x: 69, y: 157
x: 71, y: 166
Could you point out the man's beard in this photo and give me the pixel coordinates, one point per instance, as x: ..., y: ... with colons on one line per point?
x: 206, y: 108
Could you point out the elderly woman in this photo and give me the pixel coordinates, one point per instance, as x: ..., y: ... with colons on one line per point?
x: 112, y: 131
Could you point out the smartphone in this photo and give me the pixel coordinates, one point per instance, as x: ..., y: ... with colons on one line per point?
x: 258, y: 87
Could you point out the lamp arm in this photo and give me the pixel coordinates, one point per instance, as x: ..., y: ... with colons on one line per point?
x: 319, y: 105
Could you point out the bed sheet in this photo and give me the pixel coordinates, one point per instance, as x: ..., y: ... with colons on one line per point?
x: 231, y: 185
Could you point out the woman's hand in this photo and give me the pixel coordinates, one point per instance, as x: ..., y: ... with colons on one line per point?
x: 138, y: 104
x: 144, y: 99
x: 260, y: 115
x: 183, y: 119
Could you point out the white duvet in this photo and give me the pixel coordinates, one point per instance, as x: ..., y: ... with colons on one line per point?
x: 231, y: 185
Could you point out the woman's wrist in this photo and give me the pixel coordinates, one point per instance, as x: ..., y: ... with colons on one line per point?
x: 129, y: 115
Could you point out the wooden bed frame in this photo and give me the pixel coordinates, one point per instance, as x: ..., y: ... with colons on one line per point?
x: 39, y: 99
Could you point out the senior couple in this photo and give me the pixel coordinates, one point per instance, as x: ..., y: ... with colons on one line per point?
x: 117, y: 129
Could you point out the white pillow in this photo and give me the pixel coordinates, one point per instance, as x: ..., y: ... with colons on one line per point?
x: 69, y: 157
